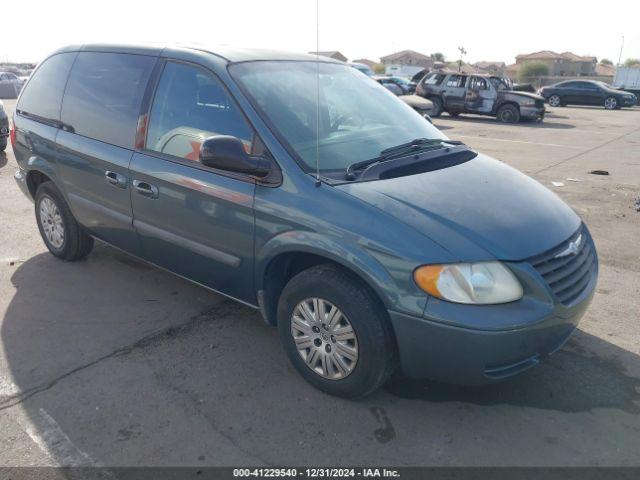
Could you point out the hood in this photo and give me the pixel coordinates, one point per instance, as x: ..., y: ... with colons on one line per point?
x: 524, y: 94
x: 477, y: 210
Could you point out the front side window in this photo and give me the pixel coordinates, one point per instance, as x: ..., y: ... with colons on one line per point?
x: 43, y: 94
x: 354, y: 120
x: 103, y: 97
x: 189, y: 106
x: 479, y: 83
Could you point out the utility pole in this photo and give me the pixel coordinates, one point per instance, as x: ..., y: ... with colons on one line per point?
x: 462, y: 53
x: 621, y: 47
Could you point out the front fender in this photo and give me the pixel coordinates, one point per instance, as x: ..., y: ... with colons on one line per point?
x: 389, y: 276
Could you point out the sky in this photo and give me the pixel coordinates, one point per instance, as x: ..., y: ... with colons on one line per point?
x: 492, y: 30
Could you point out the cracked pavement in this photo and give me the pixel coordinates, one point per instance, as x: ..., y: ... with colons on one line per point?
x: 112, y: 362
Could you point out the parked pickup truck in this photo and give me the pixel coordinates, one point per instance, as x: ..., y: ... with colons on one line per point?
x: 458, y: 93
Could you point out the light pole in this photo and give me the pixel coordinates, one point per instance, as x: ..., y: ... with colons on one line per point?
x: 462, y: 53
x: 621, y: 47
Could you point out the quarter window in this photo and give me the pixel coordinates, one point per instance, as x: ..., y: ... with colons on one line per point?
x: 190, y: 105
x: 103, y: 97
x: 43, y: 95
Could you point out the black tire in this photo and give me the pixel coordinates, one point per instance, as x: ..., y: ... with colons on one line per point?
x: 76, y: 243
x: 376, y: 360
x: 555, y: 101
x: 508, y: 114
x: 3, y: 144
x: 438, y: 107
x: 611, y: 103
x: 454, y: 114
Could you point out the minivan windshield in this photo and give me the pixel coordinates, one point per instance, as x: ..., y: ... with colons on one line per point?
x: 358, y: 117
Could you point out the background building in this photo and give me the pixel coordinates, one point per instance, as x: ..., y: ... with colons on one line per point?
x: 565, y: 64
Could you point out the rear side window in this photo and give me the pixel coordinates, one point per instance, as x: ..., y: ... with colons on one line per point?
x: 43, y: 94
x: 191, y: 105
x: 103, y: 95
x: 434, y: 79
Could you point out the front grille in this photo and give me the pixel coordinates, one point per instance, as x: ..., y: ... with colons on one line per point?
x: 539, y: 103
x: 568, y: 275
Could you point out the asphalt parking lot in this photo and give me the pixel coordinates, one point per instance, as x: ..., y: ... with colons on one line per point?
x: 112, y: 362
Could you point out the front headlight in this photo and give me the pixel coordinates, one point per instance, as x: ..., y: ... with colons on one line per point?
x: 478, y: 283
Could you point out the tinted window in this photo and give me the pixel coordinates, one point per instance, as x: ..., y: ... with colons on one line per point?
x: 434, y: 79
x: 456, y: 81
x: 103, y: 95
x: 190, y: 105
x: 479, y: 83
x: 43, y: 94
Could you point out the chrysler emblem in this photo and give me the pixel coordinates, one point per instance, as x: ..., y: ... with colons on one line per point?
x: 572, y: 249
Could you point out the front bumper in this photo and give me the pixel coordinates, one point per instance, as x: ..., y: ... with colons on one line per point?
x: 467, y: 356
x: 534, y: 113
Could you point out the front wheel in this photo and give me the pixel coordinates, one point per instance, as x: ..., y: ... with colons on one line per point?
x: 554, y: 101
x: 508, y: 114
x: 62, y: 235
x: 335, y: 332
x: 610, y: 103
x: 3, y: 144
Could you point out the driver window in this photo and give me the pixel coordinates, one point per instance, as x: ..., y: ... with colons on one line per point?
x: 190, y: 105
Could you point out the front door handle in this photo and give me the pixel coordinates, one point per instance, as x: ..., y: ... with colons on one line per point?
x: 145, y: 189
x: 116, y: 179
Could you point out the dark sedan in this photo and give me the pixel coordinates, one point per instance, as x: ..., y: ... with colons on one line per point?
x: 586, y: 92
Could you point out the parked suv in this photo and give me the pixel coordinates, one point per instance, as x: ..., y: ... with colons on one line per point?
x: 371, y: 240
x: 587, y: 92
x: 458, y: 93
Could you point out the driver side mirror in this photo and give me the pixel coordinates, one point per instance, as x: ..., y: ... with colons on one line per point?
x: 226, y: 152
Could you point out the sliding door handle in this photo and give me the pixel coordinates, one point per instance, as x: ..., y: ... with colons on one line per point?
x: 145, y: 189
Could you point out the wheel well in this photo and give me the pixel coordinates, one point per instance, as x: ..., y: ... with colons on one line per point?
x: 282, y: 269
x: 34, y: 179
x: 508, y: 102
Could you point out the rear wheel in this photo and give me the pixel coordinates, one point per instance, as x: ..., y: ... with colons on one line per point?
x: 555, y: 101
x: 438, y: 106
x: 62, y: 235
x: 610, y: 103
x: 508, y: 114
x: 335, y: 332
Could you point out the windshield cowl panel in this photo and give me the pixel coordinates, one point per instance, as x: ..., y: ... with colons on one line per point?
x: 356, y: 118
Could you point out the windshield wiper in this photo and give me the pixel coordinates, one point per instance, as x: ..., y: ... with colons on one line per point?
x: 397, y: 151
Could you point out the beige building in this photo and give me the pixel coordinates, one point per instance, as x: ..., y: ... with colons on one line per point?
x: 566, y: 64
x: 335, y: 54
x: 367, y: 62
x: 492, y: 68
x: 408, y: 58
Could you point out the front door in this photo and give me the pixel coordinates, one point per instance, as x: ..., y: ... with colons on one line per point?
x: 191, y: 219
x: 481, y: 96
x: 455, y: 93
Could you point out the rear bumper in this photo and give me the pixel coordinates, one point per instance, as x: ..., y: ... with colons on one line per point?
x: 21, y: 179
x: 433, y: 350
